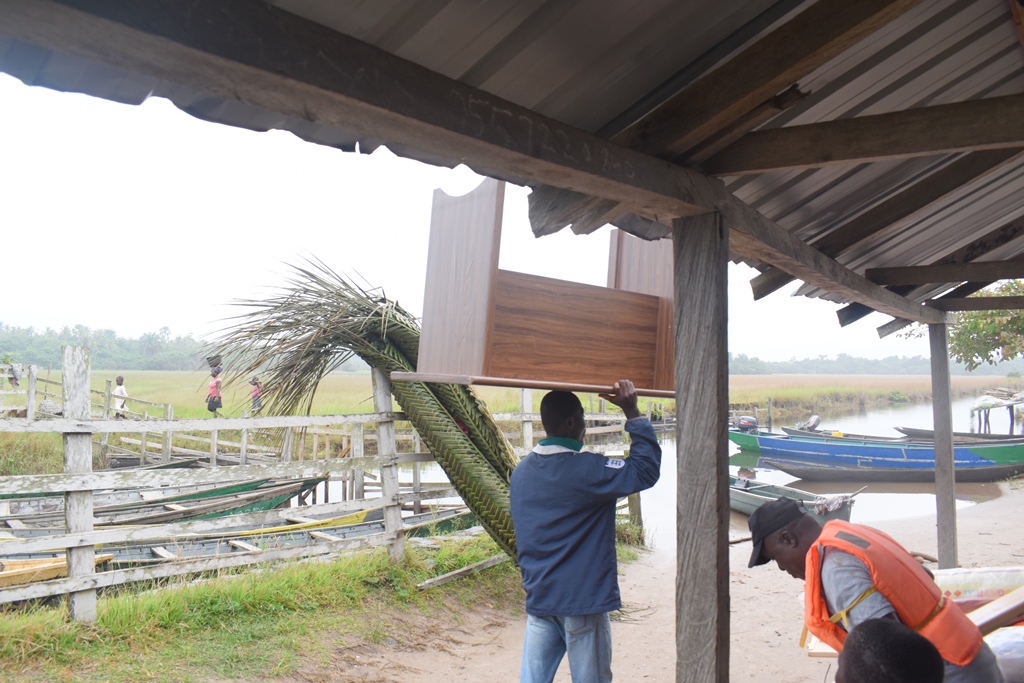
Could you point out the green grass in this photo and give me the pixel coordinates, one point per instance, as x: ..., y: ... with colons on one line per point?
x: 247, y: 626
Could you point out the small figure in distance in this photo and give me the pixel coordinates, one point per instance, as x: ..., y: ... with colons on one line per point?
x: 257, y: 395
x: 886, y: 651
x: 214, y: 400
x: 563, y: 508
x: 120, y: 394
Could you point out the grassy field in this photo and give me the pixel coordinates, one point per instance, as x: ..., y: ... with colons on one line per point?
x: 255, y: 625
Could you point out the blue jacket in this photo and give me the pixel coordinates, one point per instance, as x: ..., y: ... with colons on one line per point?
x: 563, y: 508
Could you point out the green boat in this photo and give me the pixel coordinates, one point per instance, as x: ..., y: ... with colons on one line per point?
x: 746, y: 495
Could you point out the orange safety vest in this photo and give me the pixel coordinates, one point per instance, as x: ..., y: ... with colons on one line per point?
x: 914, y: 595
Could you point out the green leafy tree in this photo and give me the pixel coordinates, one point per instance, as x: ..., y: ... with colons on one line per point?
x: 992, y: 337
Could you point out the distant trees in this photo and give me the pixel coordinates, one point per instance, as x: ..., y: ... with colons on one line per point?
x: 107, y: 351
x: 992, y: 337
x: 845, y: 364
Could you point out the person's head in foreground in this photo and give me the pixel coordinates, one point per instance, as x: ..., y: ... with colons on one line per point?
x: 562, y: 415
x: 886, y: 651
x: 781, y: 530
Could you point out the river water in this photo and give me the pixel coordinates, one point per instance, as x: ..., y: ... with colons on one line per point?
x: 877, y: 501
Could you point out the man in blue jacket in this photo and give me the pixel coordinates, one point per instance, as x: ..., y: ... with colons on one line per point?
x: 563, y: 507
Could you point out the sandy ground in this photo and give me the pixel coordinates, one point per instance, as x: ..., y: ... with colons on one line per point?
x: 766, y: 617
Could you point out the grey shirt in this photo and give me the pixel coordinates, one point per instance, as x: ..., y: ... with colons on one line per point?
x: 844, y: 578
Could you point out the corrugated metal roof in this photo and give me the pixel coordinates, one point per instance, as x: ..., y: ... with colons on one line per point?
x: 599, y: 65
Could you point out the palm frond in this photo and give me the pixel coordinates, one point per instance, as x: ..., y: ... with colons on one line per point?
x: 317, y: 322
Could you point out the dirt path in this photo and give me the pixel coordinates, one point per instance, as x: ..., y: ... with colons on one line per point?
x: 766, y: 618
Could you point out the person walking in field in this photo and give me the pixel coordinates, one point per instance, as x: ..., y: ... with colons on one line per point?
x: 853, y: 573
x: 563, y: 508
x: 119, y: 394
x: 257, y: 395
x: 214, y: 399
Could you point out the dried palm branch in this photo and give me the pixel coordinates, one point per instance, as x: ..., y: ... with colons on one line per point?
x: 317, y: 322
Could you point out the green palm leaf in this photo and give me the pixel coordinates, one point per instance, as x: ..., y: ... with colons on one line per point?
x: 320, y: 320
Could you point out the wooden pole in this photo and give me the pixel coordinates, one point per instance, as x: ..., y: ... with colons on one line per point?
x: 417, y: 484
x: 105, y: 438
x: 78, y: 460
x: 387, y: 452
x: 213, y: 448
x: 30, y: 406
x: 526, y: 405
x: 165, y: 456
x: 701, y: 252
x: 942, y: 418
x: 243, y: 454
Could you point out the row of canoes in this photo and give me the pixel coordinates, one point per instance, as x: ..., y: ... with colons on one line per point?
x: 834, y: 456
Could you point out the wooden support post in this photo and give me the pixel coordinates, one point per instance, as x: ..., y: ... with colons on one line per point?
x: 526, y: 405
x: 143, y: 441
x: 701, y: 251
x: 243, y: 454
x: 636, y: 515
x: 165, y: 456
x: 942, y: 418
x: 387, y: 452
x: 417, y: 484
x: 30, y: 406
x: 213, y: 448
x: 287, y: 444
x: 104, y: 437
x: 78, y: 460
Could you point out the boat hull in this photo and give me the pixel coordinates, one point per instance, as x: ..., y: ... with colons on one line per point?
x: 867, y: 471
x: 746, y: 495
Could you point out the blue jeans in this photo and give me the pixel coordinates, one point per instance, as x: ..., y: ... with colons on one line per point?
x: 586, y: 639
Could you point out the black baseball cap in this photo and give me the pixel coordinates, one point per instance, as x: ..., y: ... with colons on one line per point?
x: 768, y: 519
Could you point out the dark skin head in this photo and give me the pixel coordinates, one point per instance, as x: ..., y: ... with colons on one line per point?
x: 789, y: 545
x: 570, y: 424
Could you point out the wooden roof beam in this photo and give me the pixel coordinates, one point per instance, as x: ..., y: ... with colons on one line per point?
x: 979, y: 303
x: 264, y: 57
x: 993, y: 123
x: 900, y: 206
x: 1001, y: 236
x: 775, y: 62
x: 988, y: 271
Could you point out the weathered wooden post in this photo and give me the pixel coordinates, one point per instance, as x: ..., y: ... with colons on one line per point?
x: 388, y: 454
x: 105, y: 437
x: 30, y: 405
x: 213, y: 448
x: 417, y: 484
x: 143, y: 441
x: 165, y: 455
x: 526, y: 405
x: 942, y: 418
x: 701, y: 253
x: 78, y: 460
x: 243, y: 448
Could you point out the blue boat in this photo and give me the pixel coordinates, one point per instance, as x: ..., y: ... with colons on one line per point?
x: 852, y: 460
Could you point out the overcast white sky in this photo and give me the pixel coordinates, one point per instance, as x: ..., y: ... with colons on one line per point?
x: 136, y: 218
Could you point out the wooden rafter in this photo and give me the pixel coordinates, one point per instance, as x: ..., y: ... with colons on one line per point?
x: 992, y: 123
x: 899, y: 207
x: 979, y: 303
x: 988, y: 271
x: 306, y: 71
x: 775, y: 62
x: 987, y: 243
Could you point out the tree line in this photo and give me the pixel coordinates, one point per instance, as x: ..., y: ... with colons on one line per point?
x: 844, y: 364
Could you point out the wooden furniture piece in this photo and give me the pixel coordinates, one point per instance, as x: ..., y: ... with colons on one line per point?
x: 482, y: 325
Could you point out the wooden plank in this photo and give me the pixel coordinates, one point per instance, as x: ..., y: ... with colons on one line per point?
x: 242, y: 545
x: 897, y: 324
x: 164, y: 531
x: 987, y: 271
x: 462, y: 266
x: 87, y: 426
x: 903, y: 205
x: 78, y: 461
x: 942, y: 417
x: 993, y: 123
x: 303, y: 70
x: 521, y: 383
x: 113, y: 578
x: 979, y: 303
x: 538, y: 324
x: 322, y: 536
x: 163, y: 552
x: 1002, y: 611
x: 773, y: 63
x: 462, y: 571
x: 701, y: 254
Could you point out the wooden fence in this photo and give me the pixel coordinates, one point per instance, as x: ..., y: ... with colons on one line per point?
x: 338, y: 452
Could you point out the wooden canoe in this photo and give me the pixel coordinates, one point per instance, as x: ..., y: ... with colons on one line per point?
x: 16, y: 571
x: 746, y: 495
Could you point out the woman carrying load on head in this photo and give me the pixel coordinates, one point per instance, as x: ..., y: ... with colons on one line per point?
x: 214, y: 400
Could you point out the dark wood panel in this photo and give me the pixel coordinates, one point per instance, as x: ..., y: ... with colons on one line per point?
x: 988, y: 271
x: 523, y: 383
x: 568, y: 332
x: 462, y: 262
x: 979, y: 303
